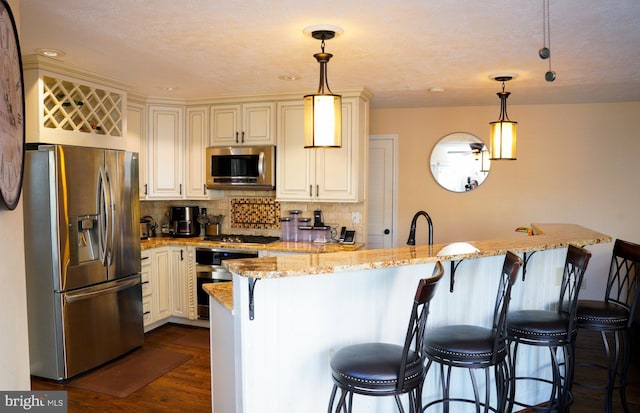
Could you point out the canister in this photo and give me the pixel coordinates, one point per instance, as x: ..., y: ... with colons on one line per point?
x: 286, y: 229
x: 304, y: 233
x: 321, y: 233
x: 303, y: 222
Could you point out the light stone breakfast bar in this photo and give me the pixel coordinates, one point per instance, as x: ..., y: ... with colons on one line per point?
x: 275, y: 328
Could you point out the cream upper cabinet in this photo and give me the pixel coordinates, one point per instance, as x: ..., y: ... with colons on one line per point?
x: 176, y: 142
x: 166, y: 152
x: 336, y: 174
x: 137, y: 141
x: 243, y: 124
x: 197, y: 139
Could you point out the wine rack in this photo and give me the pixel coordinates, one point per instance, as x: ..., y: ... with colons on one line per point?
x: 68, y: 106
x: 81, y: 108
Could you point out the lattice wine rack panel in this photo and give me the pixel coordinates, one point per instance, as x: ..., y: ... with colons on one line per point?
x: 79, y: 108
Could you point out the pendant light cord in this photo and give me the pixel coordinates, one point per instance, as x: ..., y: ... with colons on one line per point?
x: 546, y: 28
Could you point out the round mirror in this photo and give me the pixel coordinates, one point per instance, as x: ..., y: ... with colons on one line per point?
x: 460, y: 162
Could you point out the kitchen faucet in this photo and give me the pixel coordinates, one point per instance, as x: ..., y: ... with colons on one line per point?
x: 412, y: 231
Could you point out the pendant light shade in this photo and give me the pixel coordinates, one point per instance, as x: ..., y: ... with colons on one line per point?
x: 503, y: 131
x: 323, y: 110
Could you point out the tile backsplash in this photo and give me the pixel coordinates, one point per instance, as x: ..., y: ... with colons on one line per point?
x: 258, y: 213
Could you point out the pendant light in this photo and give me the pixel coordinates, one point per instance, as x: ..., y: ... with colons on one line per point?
x: 503, y: 131
x: 323, y: 110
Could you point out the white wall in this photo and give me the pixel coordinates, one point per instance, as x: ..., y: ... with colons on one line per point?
x: 14, y: 346
x: 576, y: 164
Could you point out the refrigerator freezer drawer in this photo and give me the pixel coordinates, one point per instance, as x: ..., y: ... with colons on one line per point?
x: 101, y: 324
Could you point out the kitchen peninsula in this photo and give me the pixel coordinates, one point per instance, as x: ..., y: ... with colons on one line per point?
x: 274, y: 332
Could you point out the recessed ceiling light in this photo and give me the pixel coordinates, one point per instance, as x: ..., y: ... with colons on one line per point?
x: 168, y: 88
x: 289, y: 76
x: 436, y: 89
x: 50, y: 52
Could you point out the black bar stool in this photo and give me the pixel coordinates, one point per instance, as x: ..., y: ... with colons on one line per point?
x: 474, y: 347
x: 614, y: 317
x: 382, y: 369
x: 555, y: 329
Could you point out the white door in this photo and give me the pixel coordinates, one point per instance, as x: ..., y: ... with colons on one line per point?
x: 382, y: 197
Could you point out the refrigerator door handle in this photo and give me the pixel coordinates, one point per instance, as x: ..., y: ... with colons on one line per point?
x: 74, y: 296
x: 110, y: 207
x: 106, y: 231
x: 102, y: 225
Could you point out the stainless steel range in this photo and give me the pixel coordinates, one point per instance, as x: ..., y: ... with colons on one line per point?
x: 210, y: 269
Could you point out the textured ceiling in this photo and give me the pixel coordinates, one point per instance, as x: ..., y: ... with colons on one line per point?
x: 397, y: 50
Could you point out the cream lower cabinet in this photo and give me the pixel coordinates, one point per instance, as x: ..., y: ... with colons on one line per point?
x: 168, y: 276
x: 333, y: 175
x: 181, y: 282
x: 148, y: 314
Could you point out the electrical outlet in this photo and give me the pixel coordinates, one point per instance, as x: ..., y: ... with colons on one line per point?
x: 559, y: 273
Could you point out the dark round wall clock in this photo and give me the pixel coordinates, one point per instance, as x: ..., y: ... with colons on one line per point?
x: 12, y: 128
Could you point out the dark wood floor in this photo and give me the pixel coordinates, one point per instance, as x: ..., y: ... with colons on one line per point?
x: 589, y: 348
x: 187, y: 387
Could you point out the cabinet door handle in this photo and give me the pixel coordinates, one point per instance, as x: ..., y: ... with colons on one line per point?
x: 242, y: 136
x: 145, y: 189
x: 310, y: 191
x: 181, y: 255
x: 317, y: 191
x: 204, y: 189
x: 237, y: 137
x: 180, y: 189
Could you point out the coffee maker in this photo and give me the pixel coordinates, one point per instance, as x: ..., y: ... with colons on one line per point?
x: 317, y: 218
x: 183, y: 221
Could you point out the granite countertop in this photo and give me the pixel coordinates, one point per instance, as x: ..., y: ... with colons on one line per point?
x: 545, y: 236
x: 278, y: 246
x: 221, y: 292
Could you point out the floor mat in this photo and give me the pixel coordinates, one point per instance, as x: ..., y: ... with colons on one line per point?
x: 130, y: 373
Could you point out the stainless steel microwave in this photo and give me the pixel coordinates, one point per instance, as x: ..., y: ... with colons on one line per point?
x: 241, y: 167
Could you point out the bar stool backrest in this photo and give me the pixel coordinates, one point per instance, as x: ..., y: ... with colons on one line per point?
x: 508, y: 277
x: 417, y: 322
x: 574, y: 268
x: 623, y: 288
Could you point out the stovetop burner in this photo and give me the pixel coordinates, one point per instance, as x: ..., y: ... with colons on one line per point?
x: 244, y: 239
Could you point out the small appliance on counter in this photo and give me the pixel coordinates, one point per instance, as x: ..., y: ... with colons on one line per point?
x: 183, y: 221
x: 212, y: 224
x: 148, y: 227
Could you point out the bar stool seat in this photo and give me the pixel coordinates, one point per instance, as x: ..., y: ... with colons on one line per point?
x: 601, y: 315
x: 374, y: 367
x: 544, y: 326
x: 385, y: 369
x: 463, y: 344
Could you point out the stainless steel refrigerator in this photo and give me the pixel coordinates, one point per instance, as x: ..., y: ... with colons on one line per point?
x: 82, y: 247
